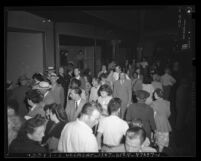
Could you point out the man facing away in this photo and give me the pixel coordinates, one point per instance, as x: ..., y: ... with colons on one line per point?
x: 77, y: 136
x: 112, y: 128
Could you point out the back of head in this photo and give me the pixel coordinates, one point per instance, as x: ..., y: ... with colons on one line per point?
x: 136, y: 132
x: 114, y: 105
x: 30, y: 125
x: 89, y: 107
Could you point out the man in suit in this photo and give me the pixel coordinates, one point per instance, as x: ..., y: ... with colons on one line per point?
x: 122, y: 89
x: 77, y: 76
x: 74, y: 106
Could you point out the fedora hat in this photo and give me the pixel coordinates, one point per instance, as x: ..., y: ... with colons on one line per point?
x: 141, y: 94
x: 50, y: 69
x: 42, y: 85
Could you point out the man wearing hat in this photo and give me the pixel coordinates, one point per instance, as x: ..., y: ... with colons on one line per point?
x: 57, y: 90
x: 44, y: 87
x: 142, y: 111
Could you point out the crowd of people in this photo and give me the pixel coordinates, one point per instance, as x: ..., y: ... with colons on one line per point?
x: 124, y: 108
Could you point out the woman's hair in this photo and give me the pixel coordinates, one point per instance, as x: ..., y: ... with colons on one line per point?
x: 38, y: 76
x: 114, y: 105
x: 106, y: 88
x: 30, y: 125
x: 75, y: 82
x: 34, y: 95
x: 59, y: 111
x: 159, y: 92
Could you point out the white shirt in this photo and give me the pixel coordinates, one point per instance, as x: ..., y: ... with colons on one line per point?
x: 78, y: 102
x: 167, y: 80
x: 94, y: 94
x: 116, y: 76
x: 113, y: 129
x: 77, y: 137
x: 28, y: 117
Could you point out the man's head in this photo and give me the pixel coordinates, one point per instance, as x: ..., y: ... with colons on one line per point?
x: 61, y: 70
x: 135, y: 75
x: 122, y: 76
x: 117, y: 69
x: 167, y: 70
x: 76, y: 72
x: 114, y: 106
x: 103, y: 67
x: 23, y: 80
x: 142, y: 95
x: 91, y: 113
x: 95, y: 82
x: 75, y: 93
x: 135, y: 137
x: 53, y: 78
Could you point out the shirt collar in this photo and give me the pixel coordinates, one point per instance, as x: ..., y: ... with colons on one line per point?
x: 33, y: 107
x: 78, y: 102
x: 84, y: 124
x: 78, y: 77
x: 46, y: 93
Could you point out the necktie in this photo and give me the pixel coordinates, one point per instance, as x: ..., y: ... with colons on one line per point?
x: 76, y: 105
